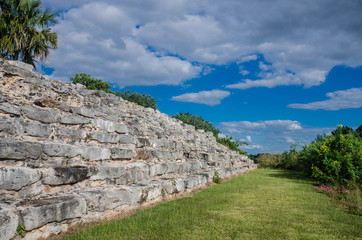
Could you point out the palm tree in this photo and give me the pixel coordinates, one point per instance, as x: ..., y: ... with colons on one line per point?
x: 25, y: 32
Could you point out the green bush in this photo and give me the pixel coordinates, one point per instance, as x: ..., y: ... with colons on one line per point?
x: 268, y: 160
x: 291, y: 159
x: 141, y: 99
x: 232, y: 144
x: 90, y: 83
x: 98, y: 84
x: 198, y: 122
x: 336, y: 158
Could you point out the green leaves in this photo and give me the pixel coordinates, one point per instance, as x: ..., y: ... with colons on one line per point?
x: 90, y: 83
x: 24, y: 31
x: 144, y: 100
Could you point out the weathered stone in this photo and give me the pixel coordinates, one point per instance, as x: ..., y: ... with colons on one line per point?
x: 184, y: 168
x: 36, y: 129
x: 95, y: 154
x: 105, y: 137
x: 73, y: 120
x: 100, y: 200
x: 139, y: 172
x: 44, y: 116
x: 13, y: 150
x: 86, y: 112
x: 8, y: 108
x: 71, y: 134
x: 126, y: 139
x: 65, y: 175
x: 157, y: 169
x: 15, y: 178
x: 9, y: 221
x: 37, y: 213
x: 172, y: 167
x: 108, y: 172
x: 61, y: 150
x: 110, y: 126
x: 9, y: 127
x: 121, y: 154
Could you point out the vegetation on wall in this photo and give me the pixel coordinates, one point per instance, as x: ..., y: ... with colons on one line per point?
x: 25, y: 32
x: 144, y: 100
x: 199, y: 123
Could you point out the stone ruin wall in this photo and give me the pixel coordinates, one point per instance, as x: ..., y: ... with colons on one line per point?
x: 70, y: 155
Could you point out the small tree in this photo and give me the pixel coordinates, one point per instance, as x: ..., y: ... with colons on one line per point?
x: 144, y: 100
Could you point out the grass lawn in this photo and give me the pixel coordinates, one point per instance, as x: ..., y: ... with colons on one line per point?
x: 263, y: 204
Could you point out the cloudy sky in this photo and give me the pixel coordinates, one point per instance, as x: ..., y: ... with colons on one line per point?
x: 270, y: 72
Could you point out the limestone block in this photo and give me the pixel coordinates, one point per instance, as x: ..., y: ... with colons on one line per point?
x: 137, y: 173
x: 44, y: 116
x: 108, y: 172
x: 65, y: 175
x: 11, y: 128
x: 168, y: 187
x: 38, y: 212
x: 172, y: 167
x: 118, y: 153
x: 61, y: 150
x: 14, y: 150
x: 101, y: 200
x: 110, y: 126
x: 15, y: 178
x: 71, y: 134
x: 126, y: 139
x: 161, y: 154
x: 184, y: 168
x: 8, y: 108
x: 9, y: 221
x: 105, y: 137
x: 95, y: 154
x: 36, y: 129
x: 157, y: 169
x: 191, y: 182
x: 73, y: 119
x: 86, y: 112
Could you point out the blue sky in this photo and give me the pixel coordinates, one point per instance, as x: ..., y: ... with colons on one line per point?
x: 271, y: 73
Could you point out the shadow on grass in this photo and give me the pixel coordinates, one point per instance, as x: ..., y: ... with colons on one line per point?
x: 292, y: 175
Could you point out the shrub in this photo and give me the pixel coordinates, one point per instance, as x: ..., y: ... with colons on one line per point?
x: 232, y: 144
x: 268, y: 160
x: 90, y: 83
x: 216, y: 178
x: 141, y: 99
x: 198, y: 122
x: 98, y: 84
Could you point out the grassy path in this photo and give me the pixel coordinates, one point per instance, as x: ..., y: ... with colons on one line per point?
x: 264, y: 204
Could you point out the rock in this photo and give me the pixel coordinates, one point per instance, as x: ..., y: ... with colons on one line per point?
x: 105, y: 137
x: 126, y: 139
x: 14, y: 150
x: 73, y: 120
x: 137, y: 173
x: 86, y: 112
x: 36, y: 129
x: 9, y: 221
x: 65, y: 175
x: 121, y: 154
x: 38, y: 212
x: 11, y: 109
x: 61, y: 150
x: 9, y: 127
x: 110, y: 126
x: 95, y: 154
x: 157, y: 169
x: 108, y: 172
x: 44, y: 116
x: 15, y: 178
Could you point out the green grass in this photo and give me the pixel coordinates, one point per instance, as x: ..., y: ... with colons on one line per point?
x: 264, y: 204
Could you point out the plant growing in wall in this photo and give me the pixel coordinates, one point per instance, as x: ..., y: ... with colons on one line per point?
x: 21, y: 230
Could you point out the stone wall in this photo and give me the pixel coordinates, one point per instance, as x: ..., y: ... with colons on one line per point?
x: 70, y: 155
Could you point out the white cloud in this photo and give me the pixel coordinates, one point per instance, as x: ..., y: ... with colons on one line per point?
x: 210, y: 98
x: 130, y: 42
x: 248, y: 138
x: 351, y: 98
x: 271, y: 135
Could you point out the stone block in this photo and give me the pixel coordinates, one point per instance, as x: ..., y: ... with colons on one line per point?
x: 108, y: 172
x: 61, y: 150
x: 101, y: 200
x: 110, y: 126
x: 86, y: 112
x: 121, y: 154
x: 157, y: 169
x: 137, y: 173
x: 8, y: 127
x: 44, y: 116
x: 126, y: 139
x: 105, y: 137
x: 96, y: 154
x: 38, y: 212
x: 65, y: 175
x: 8, y: 108
x: 172, y: 167
x: 15, y: 178
x: 9, y: 221
x: 73, y: 119
x: 71, y: 134
x: 14, y: 150
x: 36, y: 129
x: 184, y: 168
